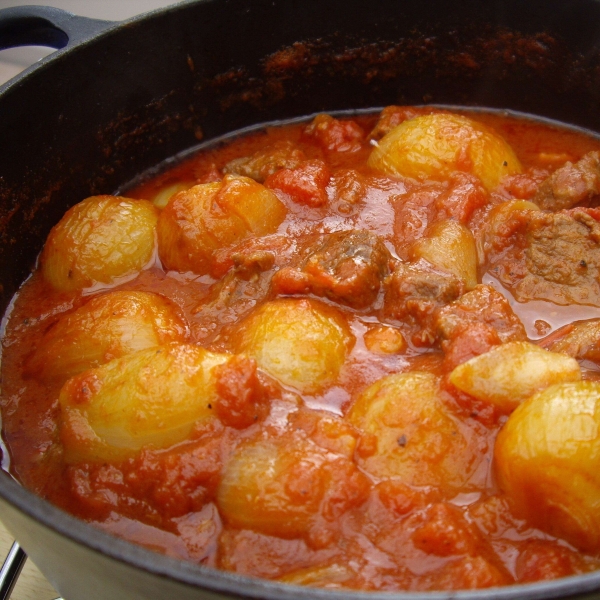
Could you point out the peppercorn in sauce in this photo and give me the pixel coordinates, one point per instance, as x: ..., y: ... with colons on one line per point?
x: 356, y: 352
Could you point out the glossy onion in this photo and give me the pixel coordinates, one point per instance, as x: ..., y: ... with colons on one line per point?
x: 197, y: 222
x: 450, y: 246
x: 433, y: 146
x: 106, y: 327
x: 162, y: 197
x: 417, y: 438
x: 278, y: 486
x: 302, y: 343
x: 98, y: 240
x: 510, y: 373
x: 547, y: 457
x: 152, y: 397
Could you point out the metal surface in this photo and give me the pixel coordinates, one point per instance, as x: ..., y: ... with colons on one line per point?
x: 11, y: 569
x: 116, y: 99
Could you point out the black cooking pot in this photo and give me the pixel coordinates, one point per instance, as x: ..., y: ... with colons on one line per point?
x: 118, y: 98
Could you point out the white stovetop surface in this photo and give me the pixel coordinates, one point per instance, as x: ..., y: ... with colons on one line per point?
x: 14, y: 60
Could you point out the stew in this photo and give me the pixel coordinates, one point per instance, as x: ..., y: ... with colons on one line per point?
x: 354, y: 352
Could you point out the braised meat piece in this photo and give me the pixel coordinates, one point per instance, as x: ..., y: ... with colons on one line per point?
x: 551, y: 256
x: 346, y: 267
x: 335, y: 135
x: 524, y: 185
x: 473, y: 324
x: 581, y: 341
x: 571, y: 184
x: 470, y: 341
x: 244, y: 285
x: 562, y: 258
x: 266, y: 161
x: 249, y: 265
x: 414, y: 294
x: 483, y: 304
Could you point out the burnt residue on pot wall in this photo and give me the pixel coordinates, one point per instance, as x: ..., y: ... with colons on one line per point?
x: 101, y: 112
x: 494, y: 68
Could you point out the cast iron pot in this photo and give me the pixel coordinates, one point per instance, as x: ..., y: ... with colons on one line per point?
x: 118, y: 98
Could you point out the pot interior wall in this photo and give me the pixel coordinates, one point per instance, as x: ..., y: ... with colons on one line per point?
x: 99, y: 113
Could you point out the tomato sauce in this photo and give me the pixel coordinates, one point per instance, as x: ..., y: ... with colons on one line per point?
x: 368, y: 460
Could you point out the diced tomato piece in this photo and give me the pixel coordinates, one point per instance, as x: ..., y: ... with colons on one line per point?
x: 446, y: 532
x: 464, y: 195
x: 524, y: 185
x: 469, y: 573
x: 306, y: 184
x: 241, y: 399
x: 543, y: 561
x: 474, y: 339
x: 399, y: 497
x: 335, y: 135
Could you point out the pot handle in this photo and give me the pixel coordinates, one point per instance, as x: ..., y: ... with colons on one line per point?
x: 46, y: 26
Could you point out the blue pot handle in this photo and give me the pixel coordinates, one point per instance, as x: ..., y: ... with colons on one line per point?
x: 46, y: 26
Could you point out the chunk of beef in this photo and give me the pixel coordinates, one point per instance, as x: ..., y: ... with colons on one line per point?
x: 581, y: 341
x: 414, y: 294
x: 571, y: 184
x: 414, y: 211
x: 346, y: 267
x: 470, y: 341
x: 464, y: 195
x: 241, y: 399
x: 476, y: 322
x: 266, y: 161
x: 551, y: 256
x: 335, y: 135
x: 562, y: 258
x: 234, y: 295
x: 180, y: 480
x: 254, y: 255
x: 485, y: 305
x: 249, y: 265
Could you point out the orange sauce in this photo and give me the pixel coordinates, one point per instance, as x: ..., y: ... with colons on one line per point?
x: 369, y: 531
